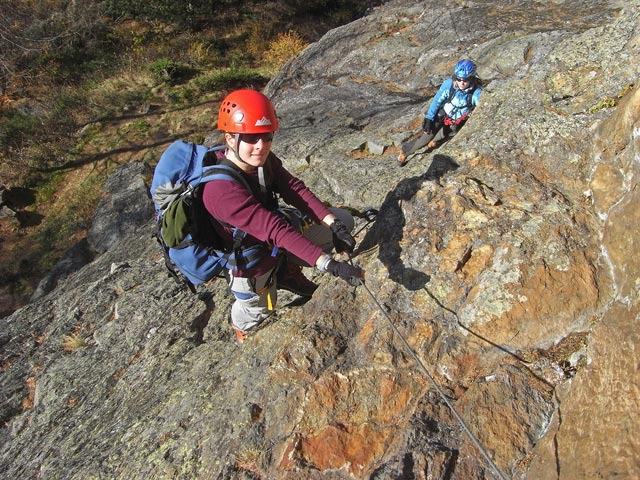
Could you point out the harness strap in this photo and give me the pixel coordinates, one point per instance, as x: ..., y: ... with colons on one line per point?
x: 469, y: 96
x: 243, y: 256
x: 261, y: 179
x: 449, y: 121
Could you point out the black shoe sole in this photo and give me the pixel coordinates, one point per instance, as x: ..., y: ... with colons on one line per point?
x: 297, y: 291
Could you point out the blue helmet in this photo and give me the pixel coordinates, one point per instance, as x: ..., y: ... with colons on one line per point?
x: 464, y: 68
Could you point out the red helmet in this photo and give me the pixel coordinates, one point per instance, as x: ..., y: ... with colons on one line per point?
x: 247, y: 111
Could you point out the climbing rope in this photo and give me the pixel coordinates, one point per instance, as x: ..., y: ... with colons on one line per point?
x: 424, y: 369
x: 370, y: 216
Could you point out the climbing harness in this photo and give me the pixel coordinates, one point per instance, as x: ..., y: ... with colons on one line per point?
x: 428, y: 374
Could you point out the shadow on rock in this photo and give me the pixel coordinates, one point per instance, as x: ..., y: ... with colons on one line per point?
x: 440, y: 165
x: 199, y: 323
x: 387, y: 231
x: 73, y: 260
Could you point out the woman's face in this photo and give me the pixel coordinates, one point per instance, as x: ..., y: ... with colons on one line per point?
x: 463, y: 83
x: 252, y: 148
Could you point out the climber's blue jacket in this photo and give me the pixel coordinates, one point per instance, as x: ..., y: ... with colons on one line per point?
x: 456, y: 103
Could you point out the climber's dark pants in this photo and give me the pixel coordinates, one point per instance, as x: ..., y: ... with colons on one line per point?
x: 442, y: 132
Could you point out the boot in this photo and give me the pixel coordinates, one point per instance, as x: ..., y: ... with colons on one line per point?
x: 433, y: 144
x: 291, y: 278
x: 239, y: 334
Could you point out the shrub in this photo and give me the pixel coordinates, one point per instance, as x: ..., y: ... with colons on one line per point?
x: 230, y: 79
x: 16, y: 128
x: 285, y: 46
x: 170, y: 72
x: 256, y: 38
x: 190, y: 14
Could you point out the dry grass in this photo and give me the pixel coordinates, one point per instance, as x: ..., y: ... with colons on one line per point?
x: 73, y: 342
x: 27, y: 403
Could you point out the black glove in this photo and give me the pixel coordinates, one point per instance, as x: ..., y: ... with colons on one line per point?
x: 427, y: 126
x: 349, y: 273
x: 342, y: 239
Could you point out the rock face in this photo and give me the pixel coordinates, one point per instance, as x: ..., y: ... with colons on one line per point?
x: 121, y: 208
x: 505, y: 259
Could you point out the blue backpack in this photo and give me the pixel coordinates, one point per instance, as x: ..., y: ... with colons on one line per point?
x: 190, y: 244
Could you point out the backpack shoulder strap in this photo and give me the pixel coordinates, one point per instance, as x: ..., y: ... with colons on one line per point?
x: 226, y: 170
x: 223, y: 172
x: 469, y: 95
x: 265, y: 178
x: 452, y: 91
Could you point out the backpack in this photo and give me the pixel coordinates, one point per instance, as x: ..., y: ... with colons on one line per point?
x: 185, y: 231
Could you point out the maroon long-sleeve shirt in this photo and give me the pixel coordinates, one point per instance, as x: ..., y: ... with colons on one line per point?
x: 230, y: 202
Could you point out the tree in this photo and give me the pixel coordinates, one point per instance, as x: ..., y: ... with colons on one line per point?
x: 29, y: 30
x: 190, y: 14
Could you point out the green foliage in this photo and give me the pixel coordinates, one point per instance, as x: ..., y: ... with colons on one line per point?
x: 140, y: 125
x: 625, y: 89
x: 230, y: 79
x: 16, y: 128
x: 610, y: 102
x: 46, y: 188
x: 209, y: 51
x: 60, y: 227
x: 190, y: 14
x: 344, y: 10
x: 34, y: 135
x: 71, y: 65
x: 52, y: 42
x: 170, y: 72
x: 606, y: 102
x: 197, y: 14
x: 62, y: 109
x: 110, y: 100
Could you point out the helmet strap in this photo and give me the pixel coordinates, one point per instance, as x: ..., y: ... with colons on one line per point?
x: 236, y: 149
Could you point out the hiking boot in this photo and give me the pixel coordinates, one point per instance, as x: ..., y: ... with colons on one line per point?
x: 240, y: 335
x: 291, y: 278
x: 432, y: 144
x: 402, y: 160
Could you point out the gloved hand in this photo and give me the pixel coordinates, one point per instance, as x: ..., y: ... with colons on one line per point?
x: 427, y: 126
x: 342, y: 239
x: 351, y: 274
